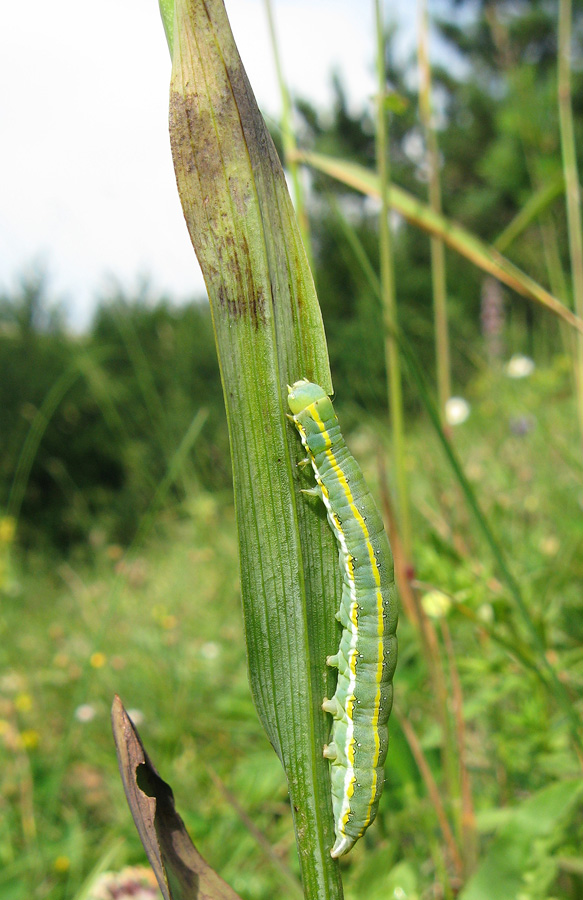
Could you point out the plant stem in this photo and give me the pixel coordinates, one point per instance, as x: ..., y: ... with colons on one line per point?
x: 289, y: 139
x: 480, y: 254
x: 388, y: 298
x: 437, y: 246
x: 468, y: 819
x: 572, y: 189
x: 432, y: 789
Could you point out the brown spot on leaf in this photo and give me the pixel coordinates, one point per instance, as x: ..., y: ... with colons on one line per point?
x: 215, y: 198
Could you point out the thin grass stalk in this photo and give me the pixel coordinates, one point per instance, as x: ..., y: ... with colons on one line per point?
x: 435, y: 667
x: 572, y: 188
x: 109, y: 855
x: 176, y: 466
x: 388, y: 295
x: 480, y: 254
x: 550, y: 677
x: 540, y: 202
x: 35, y: 434
x: 554, y: 266
x: 536, y: 206
x: 99, y: 637
x: 469, y: 839
x: 558, y: 283
x: 427, y: 635
x: 545, y: 193
x: 146, y: 383
x: 26, y: 791
x: 432, y: 790
x: 442, y: 881
x: 437, y: 676
x: 438, y: 277
x: 102, y: 389
x: 402, y: 575
x: 267, y: 849
x: 519, y: 652
x: 288, y: 137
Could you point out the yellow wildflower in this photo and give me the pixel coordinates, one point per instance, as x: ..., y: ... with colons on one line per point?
x: 7, y: 529
x: 98, y: 660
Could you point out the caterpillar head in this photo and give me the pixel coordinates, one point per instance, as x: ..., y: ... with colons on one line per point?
x: 302, y: 394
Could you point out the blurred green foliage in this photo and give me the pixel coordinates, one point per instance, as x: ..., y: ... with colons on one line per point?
x: 161, y: 624
x: 89, y: 428
x: 138, y: 377
x: 146, y: 366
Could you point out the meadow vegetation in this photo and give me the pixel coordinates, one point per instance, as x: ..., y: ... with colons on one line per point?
x: 118, y: 549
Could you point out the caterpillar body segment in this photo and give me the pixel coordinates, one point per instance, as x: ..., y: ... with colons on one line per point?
x: 367, y: 654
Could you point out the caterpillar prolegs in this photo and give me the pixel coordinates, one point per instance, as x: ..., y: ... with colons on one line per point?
x: 367, y: 654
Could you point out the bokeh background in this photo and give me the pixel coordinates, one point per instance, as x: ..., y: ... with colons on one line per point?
x: 118, y: 554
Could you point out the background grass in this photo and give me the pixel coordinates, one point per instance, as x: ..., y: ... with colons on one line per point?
x: 161, y: 625
x: 118, y: 553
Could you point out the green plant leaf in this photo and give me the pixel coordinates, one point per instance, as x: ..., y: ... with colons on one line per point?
x: 269, y: 332
x: 532, y: 209
x: 167, y: 13
x: 181, y: 871
x: 486, y: 257
x: 519, y: 863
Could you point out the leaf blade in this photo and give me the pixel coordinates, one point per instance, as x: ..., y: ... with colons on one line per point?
x: 180, y: 870
x: 483, y: 255
x: 269, y: 331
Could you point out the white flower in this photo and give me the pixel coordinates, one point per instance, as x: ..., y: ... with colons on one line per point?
x: 519, y: 366
x: 132, y: 883
x: 85, y: 713
x: 210, y: 650
x: 436, y: 604
x: 457, y: 410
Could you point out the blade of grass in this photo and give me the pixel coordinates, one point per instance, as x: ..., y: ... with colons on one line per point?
x: 455, y: 236
x: 109, y: 855
x: 34, y: 437
x: 288, y: 876
x: 269, y: 331
x: 175, y: 467
x: 469, y: 840
x: 388, y: 296
x: 432, y: 790
x: 438, y: 279
x: 289, y: 138
x: 572, y: 188
x: 145, y: 381
x: 537, y: 204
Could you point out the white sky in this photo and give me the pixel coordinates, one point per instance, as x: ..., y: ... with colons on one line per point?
x: 86, y: 180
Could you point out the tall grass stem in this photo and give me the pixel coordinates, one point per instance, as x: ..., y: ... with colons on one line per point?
x: 572, y: 188
x: 438, y: 276
x: 432, y: 789
x: 464, y: 242
x: 388, y: 294
x: 289, y: 138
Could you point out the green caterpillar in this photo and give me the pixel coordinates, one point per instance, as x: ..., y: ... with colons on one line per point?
x: 367, y: 654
